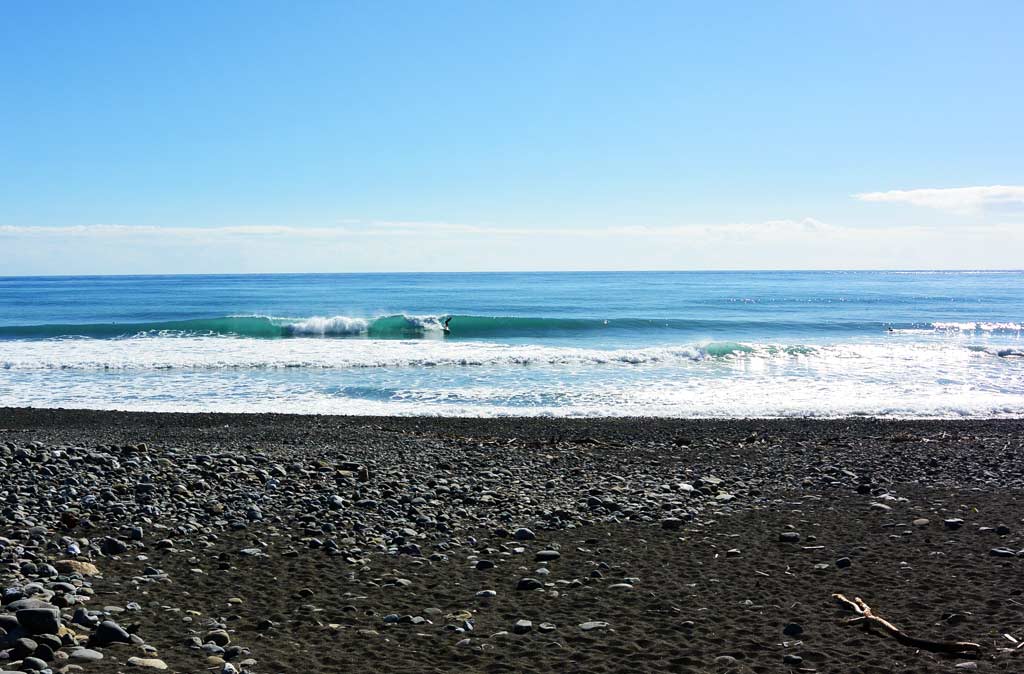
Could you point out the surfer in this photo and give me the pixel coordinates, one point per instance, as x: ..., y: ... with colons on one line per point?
x: 444, y: 326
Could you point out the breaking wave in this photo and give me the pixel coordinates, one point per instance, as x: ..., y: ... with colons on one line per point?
x: 209, y: 353
x: 403, y: 326
x: 214, y: 353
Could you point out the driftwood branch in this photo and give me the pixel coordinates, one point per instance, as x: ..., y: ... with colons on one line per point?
x: 866, y: 617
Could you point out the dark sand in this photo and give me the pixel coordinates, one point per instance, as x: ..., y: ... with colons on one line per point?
x: 369, y: 518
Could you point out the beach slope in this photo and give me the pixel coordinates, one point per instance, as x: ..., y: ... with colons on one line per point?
x: 275, y: 543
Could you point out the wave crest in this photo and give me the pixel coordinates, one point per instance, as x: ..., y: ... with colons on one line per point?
x: 407, y: 326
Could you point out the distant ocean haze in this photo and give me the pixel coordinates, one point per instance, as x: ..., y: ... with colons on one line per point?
x: 685, y: 344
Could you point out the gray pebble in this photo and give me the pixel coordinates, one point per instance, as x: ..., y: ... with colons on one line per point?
x: 525, y: 584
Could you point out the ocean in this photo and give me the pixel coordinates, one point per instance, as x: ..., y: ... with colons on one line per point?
x: 675, y: 344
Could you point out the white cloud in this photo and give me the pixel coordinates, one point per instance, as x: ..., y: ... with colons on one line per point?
x: 760, y: 230
x: 797, y: 243
x: 153, y: 231
x: 957, y: 199
x: 768, y: 228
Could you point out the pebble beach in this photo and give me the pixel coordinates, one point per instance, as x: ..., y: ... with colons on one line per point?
x: 276, y: 543
x: 511, y: 338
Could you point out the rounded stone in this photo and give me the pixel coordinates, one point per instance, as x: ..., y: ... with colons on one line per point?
x: 525, y: 584
x: 84, y: 655
x: 32, y: 665
x: 39, y: 620
x: 109, y: 632
x: 219, y: 637
x: 147, y: 663
x: 524, y: 534
x: 22, y: 647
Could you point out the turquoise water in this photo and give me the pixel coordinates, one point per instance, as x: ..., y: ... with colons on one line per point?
x: 910, y: 344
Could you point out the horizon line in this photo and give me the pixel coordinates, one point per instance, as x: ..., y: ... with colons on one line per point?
x: 963, y: 270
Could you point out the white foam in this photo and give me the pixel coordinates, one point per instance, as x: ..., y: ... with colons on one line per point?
x: 740, y: 397
x: 886, y: 377
x: 212, y: 353
x: 333, y: 325
x: 983, y: 326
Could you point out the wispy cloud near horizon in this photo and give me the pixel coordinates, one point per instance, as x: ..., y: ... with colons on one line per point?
x: 956, y: 199
x: 799, y: 243
x: 376, y: 229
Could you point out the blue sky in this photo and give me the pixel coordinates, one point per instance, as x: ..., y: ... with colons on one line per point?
x: 315, y: 136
